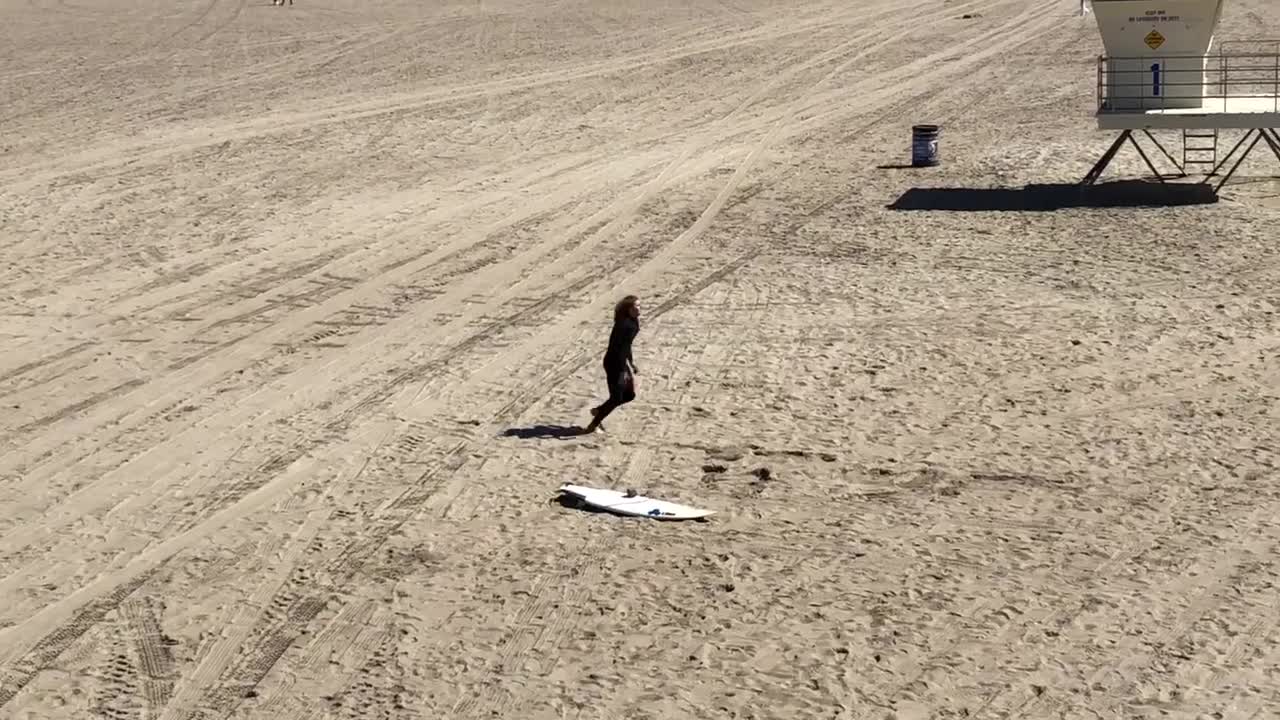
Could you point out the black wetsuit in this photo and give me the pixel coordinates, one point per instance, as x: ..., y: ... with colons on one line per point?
x: 617, y: 360
x: 618, y: 355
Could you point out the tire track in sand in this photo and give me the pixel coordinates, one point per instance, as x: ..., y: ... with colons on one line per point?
x: 616, y: 223
x: 293, y: 614
x: 263, y: 645
x: 545, y: 618
x: 46, y: 651
x: 116, y: 696
x: 402, y: 102
x: 824, y: 56
x: 704, y: 218
x: 153, y: 650
x: 1203, y: 587
x: 836, y: 71
x: 252, y: 666
x: 264, y: 601
x: 1036, y: 18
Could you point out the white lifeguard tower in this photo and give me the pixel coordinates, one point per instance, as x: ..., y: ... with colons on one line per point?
x: 1160, y: 72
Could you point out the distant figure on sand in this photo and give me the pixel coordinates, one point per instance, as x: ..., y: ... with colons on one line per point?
x: 619, y: 367
x: 280, y: 2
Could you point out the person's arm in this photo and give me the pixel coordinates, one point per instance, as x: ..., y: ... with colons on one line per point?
x: 630, y: 360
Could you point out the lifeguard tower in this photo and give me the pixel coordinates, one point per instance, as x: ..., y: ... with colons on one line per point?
x: 1161, y: 72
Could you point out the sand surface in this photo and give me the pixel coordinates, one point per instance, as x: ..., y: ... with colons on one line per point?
x: 293, y: 301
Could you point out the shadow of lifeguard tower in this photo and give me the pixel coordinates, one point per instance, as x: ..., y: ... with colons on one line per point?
x: 1161, y: 72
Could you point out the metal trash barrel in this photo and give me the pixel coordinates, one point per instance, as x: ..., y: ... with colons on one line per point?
x: 924, y: 145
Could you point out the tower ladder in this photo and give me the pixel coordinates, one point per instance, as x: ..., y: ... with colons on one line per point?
x: 1200, y: 147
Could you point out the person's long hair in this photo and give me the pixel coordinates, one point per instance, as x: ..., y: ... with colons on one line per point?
x: 622, y: 310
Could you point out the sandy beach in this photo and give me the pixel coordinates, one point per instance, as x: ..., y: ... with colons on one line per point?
x: 297, y: 303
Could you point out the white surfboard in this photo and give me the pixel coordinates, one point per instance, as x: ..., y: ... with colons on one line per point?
x: 636, y: 505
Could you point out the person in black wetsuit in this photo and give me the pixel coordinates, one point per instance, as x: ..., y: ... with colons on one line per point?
x: 619, y: 367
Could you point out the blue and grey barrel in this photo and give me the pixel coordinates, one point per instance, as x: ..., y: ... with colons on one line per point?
x: 924, y: 145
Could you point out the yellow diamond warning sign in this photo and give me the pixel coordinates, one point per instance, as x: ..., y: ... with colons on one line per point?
x: 1154, y: 40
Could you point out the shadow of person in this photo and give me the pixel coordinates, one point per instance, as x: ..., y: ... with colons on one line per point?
x: 544, y: 432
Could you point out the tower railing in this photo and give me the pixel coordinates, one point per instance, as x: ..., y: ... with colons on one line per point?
x: 1227, y: 49
x: 1236, y: 80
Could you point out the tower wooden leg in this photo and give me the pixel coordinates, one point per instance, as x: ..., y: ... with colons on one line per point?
x: 1101, y: 166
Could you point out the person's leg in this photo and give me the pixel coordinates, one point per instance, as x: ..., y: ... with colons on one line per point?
x: 617, y: 397
x: 600, y: 413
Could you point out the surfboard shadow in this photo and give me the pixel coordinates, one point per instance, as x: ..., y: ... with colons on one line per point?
x: 544, y: 432
x: 570, y: 502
